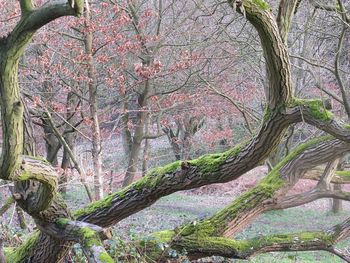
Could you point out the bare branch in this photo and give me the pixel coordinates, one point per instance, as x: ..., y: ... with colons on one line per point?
x: 310, y: 196
x: 286, y: 11
x: 70, y: 153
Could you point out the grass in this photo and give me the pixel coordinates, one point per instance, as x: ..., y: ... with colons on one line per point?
x: 285, y: 221
x: 173, y: 210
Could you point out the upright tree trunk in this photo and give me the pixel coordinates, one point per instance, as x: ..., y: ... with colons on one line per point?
x: 337, y: 204
x: 138, y: 136
x: 146, y: 147
x: 69, y: 137
x: 93, y: 104
x: 126, y: 134
x: 51, y: 143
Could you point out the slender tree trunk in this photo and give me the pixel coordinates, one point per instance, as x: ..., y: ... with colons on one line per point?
x: 138, y: 136
x: 96, y: 133
x: 69, y: 137
x: 337, y: 204
x: 126, y: 134
x: 146, y: 147
x: 66, y: 162
x: 29, y: 137
x: 51, y: 143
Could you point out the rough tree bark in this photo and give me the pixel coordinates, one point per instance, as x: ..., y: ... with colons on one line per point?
x: 35, y: 181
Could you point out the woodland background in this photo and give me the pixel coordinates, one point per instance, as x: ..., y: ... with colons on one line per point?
x: 134, y: 85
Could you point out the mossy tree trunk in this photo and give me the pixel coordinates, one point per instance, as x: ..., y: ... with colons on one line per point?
x: 35, y: 181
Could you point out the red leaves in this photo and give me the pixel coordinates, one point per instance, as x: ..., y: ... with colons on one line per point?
x: 147, y: 72
x: 37, y: 101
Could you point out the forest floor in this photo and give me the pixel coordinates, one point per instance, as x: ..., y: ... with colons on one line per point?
x: 187, y: 206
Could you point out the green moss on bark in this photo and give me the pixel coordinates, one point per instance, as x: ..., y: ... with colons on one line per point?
x: 343, y: 173
x: 105, y: 258
x: 20, y: 254
x: 62, y: 222
x: 164, y: 236
x: 316, y: 108
x: 90, y: 236
x: 262, y: 4
x: 237, y: 248
x: 210, y: 163
x: 149, y: 181
x: 103, y: 203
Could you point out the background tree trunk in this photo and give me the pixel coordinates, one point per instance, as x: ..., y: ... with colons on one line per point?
x: 93, y: 104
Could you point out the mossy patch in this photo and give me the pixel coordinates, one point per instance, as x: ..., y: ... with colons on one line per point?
x: 262, y: 4
x: 149, y: 181
x: 62, y: 222
x: 169, y: 168
x: 100, y: 204
x: 288, y: 240
x: 210, y: 163
x: 343, y: 173
x: 316, y: 107
x: 89, y: 237
x: 105, y: 258
x: 164, y: 236
x: 21, y: 253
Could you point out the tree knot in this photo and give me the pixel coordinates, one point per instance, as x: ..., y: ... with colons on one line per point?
x: 185, y: 165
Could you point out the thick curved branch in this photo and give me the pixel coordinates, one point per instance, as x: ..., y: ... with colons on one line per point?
x: 208, y: 169
x: 33, y: 170
x: 199, y: 245
x: 215, y: 168
x: 265, y: 196
x: 315, y: 112
x: 275, y: 185
x: 258, y: 13
x: 207, y: 235
x: 12, y: 47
